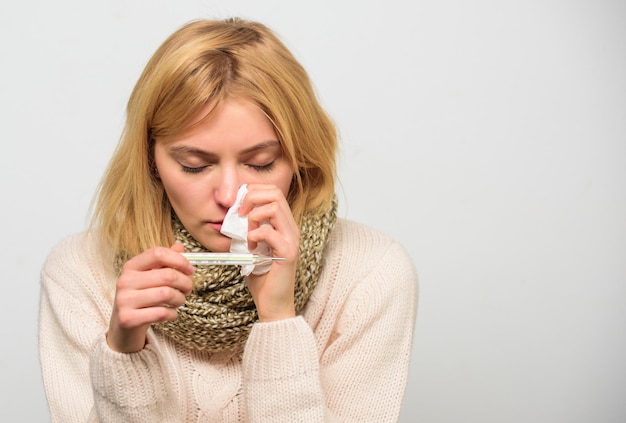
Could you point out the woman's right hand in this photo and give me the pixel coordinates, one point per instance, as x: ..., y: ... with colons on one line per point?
x: 151, y: 287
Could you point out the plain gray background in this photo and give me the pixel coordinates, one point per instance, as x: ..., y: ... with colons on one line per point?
x: 488, y: 137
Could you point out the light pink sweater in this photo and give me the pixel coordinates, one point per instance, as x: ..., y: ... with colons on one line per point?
x: 345, y: 358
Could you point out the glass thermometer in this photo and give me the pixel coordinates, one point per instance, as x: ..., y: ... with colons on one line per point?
x: 226, y: 259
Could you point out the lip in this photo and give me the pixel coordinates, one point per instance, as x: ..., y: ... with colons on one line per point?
x: 216, y: 225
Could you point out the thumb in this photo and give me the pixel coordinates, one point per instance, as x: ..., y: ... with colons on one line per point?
x: 179, y: 248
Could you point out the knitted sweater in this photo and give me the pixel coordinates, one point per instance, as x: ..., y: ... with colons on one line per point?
x: 344, y: 358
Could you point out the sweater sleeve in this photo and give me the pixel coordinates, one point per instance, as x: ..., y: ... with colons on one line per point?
x: 359, y: 374
x: 365, y: 364
x: 133, y: 387
x: 84, y: 380
x: 281, y: 373
x: 65, y: 335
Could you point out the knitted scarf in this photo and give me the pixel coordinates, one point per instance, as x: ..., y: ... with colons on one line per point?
x: 220, y: 312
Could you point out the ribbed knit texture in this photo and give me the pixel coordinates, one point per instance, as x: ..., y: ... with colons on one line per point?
x: 345, y: 358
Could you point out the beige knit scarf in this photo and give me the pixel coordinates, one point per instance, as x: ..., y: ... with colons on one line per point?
x: 220, y: 312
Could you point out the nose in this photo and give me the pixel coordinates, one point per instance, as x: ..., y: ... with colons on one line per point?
x: 227, y: 185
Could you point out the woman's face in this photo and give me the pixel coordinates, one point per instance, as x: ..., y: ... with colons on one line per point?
x: 202, y: 170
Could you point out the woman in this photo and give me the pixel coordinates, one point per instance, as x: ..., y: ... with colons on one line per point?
x: 131, y: 331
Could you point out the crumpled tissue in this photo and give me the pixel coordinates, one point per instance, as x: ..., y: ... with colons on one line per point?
x: 236, y: 228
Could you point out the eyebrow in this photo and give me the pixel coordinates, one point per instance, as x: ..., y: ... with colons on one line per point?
x: 185, y: 149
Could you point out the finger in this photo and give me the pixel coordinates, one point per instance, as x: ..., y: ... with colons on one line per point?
x: 281, y: 245
x: 165, y: 277
x: 179, y: 248
x: 129, y: 319
x: 260, y: 194
x: 151, y: 297
x: 266, y: 204
x: 276, y: 214
x: 160, y: 257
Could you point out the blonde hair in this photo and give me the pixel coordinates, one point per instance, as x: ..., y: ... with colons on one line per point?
x: 207, y: 62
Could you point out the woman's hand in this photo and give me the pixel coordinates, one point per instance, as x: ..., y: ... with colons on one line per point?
x: 150, y: 288
x: 270, y: 220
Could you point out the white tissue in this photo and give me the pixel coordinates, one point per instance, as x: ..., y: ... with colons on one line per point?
x: 236, y: 227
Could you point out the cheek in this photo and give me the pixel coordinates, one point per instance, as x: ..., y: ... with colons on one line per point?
x: 283, y: 181
x: 286, y: 185
x: 181, y: 193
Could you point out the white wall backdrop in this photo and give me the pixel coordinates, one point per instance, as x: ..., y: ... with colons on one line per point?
x: 488, y: 137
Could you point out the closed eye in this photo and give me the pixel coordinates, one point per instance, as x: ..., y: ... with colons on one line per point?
x: 263, y: 168
x: 188, y: 169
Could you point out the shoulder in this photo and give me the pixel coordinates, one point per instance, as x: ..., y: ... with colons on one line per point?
x: 359, y: 258
x: 359, y: 246
x: 72, y: 250
x: 74, y: 262
x: 366, y: 276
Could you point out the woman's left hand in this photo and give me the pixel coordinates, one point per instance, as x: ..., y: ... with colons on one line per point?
x: 271, y: 221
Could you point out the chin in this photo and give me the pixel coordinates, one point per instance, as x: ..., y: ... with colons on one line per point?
x: 212, y: 240
x: 217, y: 245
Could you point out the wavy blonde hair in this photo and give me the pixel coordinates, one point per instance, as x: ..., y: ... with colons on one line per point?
x: 206, y: 62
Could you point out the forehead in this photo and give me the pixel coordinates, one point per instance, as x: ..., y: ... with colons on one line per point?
x: 233, y: 122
